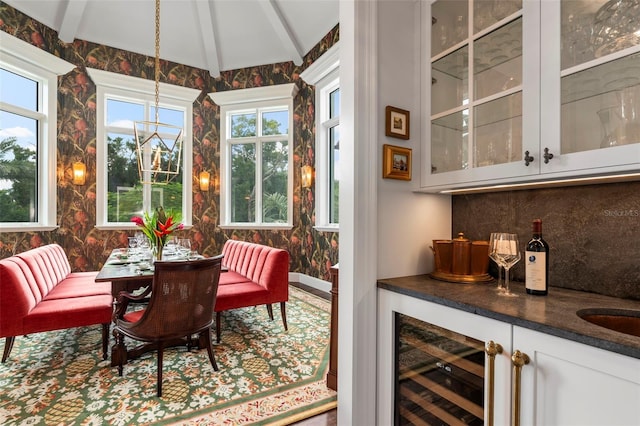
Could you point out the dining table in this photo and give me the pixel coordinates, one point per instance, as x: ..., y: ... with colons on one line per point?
x: 132, y: 270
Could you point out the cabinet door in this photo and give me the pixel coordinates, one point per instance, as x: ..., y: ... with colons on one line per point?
x: 463, y: 323
x: 590, y: 92
x: 568, y: 383
x: 481, y: 78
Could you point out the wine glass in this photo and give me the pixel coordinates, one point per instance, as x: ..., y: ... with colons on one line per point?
x: 494, y: 256
x: 506, y: 248
x: 184, y: 245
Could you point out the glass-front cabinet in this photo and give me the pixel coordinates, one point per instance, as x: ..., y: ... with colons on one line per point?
x: 523, y: 90
x: 593, y: 74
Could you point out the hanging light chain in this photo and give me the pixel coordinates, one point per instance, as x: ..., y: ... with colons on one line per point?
x: 157, y: 62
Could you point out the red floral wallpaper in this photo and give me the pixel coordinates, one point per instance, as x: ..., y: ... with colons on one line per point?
x: 312, y: 252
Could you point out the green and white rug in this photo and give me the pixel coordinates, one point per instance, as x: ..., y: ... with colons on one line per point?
x: 267, y: 376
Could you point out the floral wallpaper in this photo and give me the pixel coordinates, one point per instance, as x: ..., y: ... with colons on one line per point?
x: 312, y: 252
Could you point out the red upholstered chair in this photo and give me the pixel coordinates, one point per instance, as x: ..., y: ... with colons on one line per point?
x: 182, y: 297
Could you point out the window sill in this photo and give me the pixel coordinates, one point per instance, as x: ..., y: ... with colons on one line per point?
x: 327, y: 228
x: 28, y: 228
x: 266, y: 226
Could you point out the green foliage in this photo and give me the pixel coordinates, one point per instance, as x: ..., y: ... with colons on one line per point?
x: 275, y: 156
x: 18, y: 166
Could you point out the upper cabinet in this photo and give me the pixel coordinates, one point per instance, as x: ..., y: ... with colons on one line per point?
x: 520, y: 91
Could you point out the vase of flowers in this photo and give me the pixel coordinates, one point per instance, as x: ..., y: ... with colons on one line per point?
x: 157, y: 226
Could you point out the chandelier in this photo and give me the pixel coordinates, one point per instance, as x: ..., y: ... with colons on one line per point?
x: 158, y: 145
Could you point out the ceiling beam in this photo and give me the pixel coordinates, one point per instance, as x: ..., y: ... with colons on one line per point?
x: 71, y: 19
x: 204, y: 13
x: 283, y: 30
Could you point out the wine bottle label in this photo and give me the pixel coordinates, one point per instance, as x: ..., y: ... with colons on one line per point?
x: 535, y: 273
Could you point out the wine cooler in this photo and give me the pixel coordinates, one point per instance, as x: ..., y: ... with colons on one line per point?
x: 439, y: 375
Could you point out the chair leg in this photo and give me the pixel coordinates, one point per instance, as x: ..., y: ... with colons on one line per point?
x: 205, y: 340
x: 105, y: 339
x: 270, y: 311
x: 160, y: 356
x: 8, y: 345
x: 118, y: 352
x: 284, y: 315
x: 218, y: 327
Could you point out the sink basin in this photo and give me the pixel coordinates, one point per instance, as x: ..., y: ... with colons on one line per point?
x: 621, y: 320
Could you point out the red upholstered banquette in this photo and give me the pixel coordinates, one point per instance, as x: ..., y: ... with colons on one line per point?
x: 256, y: 275
x: 38, y: 292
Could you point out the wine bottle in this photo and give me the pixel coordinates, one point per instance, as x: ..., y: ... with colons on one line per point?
x: 537, y: 262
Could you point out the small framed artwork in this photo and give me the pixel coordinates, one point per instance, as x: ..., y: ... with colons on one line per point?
x: 396, y: 123
x: 396, y: 162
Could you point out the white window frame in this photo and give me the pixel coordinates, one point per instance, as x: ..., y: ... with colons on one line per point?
x: 238, y: 101
x: 324, y: 74
x: 28, y: 61
x: 129, y: 89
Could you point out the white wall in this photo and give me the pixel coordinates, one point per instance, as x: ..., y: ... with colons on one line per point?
x: 407, y: 221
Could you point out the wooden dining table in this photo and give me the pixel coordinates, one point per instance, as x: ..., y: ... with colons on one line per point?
x: 125, y: 273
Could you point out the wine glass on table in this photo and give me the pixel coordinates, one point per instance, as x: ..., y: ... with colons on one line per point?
x: 506, y: 248
x: 494, y: 256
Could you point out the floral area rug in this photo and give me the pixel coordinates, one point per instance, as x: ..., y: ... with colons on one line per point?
x: 266, y: 375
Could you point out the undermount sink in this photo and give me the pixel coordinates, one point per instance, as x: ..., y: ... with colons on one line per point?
x: 621, y: 320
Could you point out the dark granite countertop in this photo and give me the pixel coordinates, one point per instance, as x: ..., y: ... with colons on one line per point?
x: 554, y: 314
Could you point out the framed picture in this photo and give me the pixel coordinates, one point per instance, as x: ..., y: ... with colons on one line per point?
x: 396, y: 162
x: 396, y: 123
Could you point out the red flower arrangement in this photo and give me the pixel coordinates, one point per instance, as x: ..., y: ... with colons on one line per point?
x: 157, y: 227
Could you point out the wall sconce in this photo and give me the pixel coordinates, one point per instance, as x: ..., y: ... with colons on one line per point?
x: 306, y: 173
x: 216, y: 183
x: 79, y: 173
x: 204, y: 179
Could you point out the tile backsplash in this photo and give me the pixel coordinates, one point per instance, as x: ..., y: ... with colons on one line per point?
x: 593, y: 232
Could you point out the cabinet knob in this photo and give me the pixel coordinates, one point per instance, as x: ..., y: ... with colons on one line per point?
x: 547, y: 156
x: 528, y: 158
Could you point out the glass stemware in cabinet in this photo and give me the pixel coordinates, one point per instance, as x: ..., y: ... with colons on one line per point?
x: 505, y: 247
x: 494, y: 256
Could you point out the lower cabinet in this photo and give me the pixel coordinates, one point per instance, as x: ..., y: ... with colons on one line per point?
x: 440, y: 365
x: 569, y: 383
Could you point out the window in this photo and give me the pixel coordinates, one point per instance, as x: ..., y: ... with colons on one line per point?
x: 324, y: 74
x: 28, y: 117
x: 122, y: 101
x: 256, y: 128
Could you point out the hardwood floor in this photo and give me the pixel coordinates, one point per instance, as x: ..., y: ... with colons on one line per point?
x: 330, y: 418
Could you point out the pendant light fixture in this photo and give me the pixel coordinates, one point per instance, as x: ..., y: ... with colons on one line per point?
x: 158, y: 145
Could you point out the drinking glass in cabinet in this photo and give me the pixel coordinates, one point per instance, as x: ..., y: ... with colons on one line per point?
x: 449, y: 141
x: 450, y: 81
x: 498, y: 131
x: 449, y: 25
x: 498, y: 60
x: 489, y: 12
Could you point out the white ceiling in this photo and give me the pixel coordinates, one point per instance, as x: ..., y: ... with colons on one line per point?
x: 216, y: 35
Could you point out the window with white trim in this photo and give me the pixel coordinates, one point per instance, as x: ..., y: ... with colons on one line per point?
x: 28, y: 121
x: 324, y: 74
x: 256, y: 157
x: 120, y: 194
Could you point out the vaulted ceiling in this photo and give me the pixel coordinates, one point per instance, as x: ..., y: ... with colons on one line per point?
x: 216, y: 35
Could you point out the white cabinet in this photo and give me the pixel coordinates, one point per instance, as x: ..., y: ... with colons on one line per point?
x: 564, y: 382
x: 527, y: 90
x: 569, y: 383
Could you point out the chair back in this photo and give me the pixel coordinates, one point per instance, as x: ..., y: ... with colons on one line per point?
x: 182, y: 299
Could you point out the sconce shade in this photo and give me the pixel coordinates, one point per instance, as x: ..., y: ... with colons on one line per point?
x: 79, y: 173
x: 306, y: 175
x: 204, y: 179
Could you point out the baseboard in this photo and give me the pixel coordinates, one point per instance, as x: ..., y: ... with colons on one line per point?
x: 316, y: 283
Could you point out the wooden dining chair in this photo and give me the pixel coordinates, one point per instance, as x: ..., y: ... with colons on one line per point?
x: 181, y: 301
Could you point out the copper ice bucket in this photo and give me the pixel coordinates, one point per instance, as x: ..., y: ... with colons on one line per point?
x: 461, y: 260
